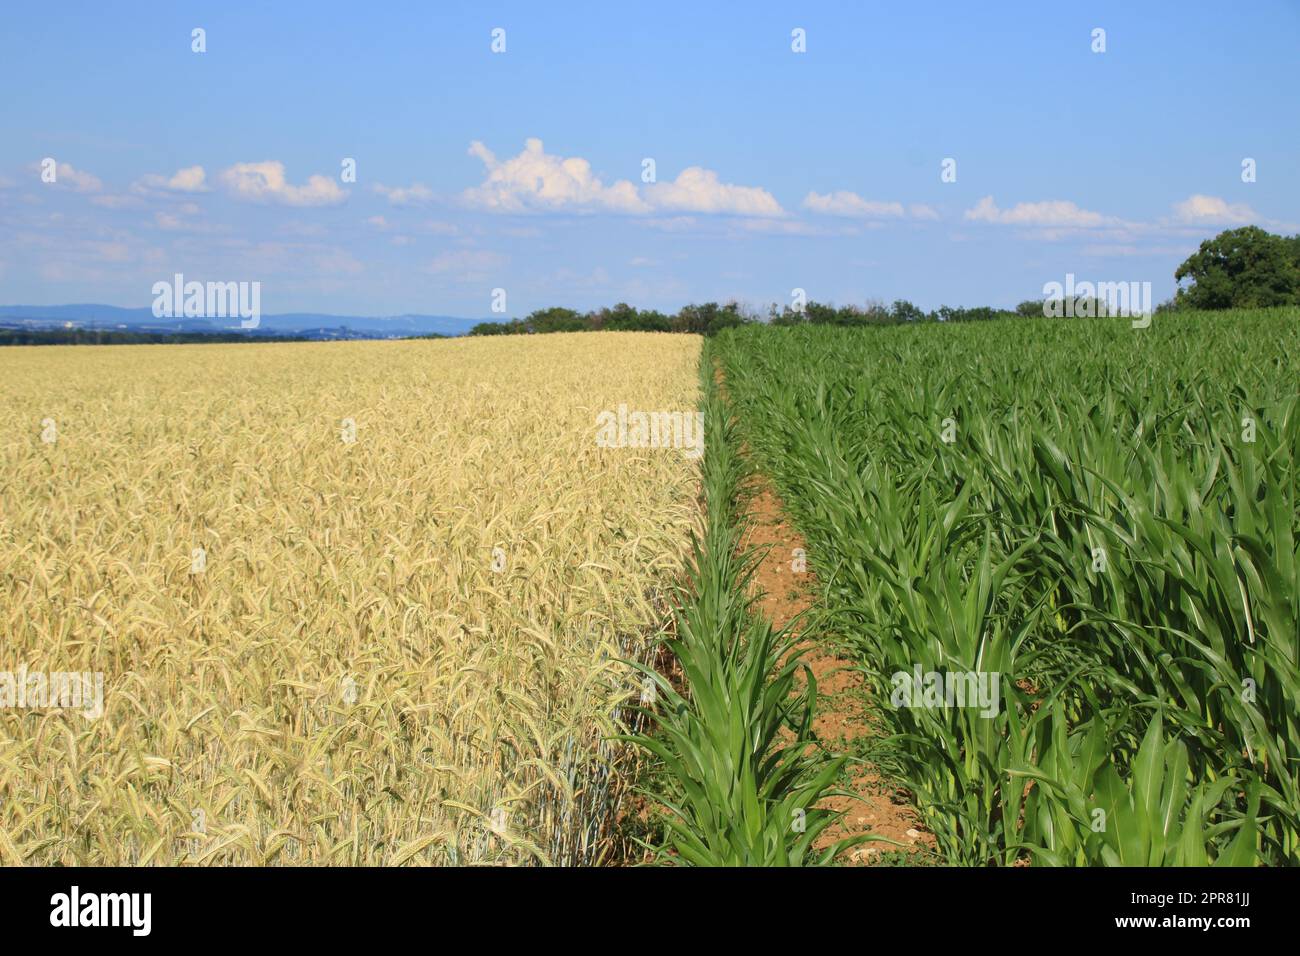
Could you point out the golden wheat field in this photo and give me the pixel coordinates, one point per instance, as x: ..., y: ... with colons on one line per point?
x: 353, y: 603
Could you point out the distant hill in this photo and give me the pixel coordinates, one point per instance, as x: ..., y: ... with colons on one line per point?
x: 312, y: 325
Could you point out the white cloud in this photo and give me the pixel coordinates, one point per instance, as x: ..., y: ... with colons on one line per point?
x: 81, y: 181
x: 66, y: 175
x: 1212, y: 209
x: 191, y: 179
x: 1061, y: 220
x: 265, y: 183
x: 536, y: 179
x: 922, y: 211
x: 699, y: 190
x: 411, y: 195
x: 1053, y: 212
x: 851, y: 205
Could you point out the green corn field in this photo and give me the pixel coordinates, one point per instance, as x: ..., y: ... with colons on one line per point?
x: 1099, y: 520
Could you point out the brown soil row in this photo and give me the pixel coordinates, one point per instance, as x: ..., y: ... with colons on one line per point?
x: 842, y: 716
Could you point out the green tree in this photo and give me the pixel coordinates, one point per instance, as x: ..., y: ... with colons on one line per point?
x: 513, y: 327
x: 708, y: 318
x: 1241, y: 268
x: 556, y: 319
x: 904, y: 311
x: 649, y: 320
x: 621, y: 318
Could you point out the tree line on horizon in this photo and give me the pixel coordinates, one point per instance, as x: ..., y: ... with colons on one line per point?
x: 1237, y: 269
x: 709, y: 318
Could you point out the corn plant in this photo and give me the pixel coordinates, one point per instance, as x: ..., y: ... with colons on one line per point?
x: 1081, y: 812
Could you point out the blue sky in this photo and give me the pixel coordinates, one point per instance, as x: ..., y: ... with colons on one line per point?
x: 774, y: 170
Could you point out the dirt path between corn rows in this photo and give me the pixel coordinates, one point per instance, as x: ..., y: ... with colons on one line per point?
x: 841, y: 719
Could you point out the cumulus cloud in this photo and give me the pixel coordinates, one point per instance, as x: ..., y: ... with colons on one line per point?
x: 1052, y: 212
x: 1056, y: 220
x: 851, y: 205
x: 1212, y: 209
x: 871, y: 213
x: 411, y: 195
x: 78, y: 179
x: 699, y: 190
x: 536, y: 180
x: 191, y: 179
x: 265, y: 182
